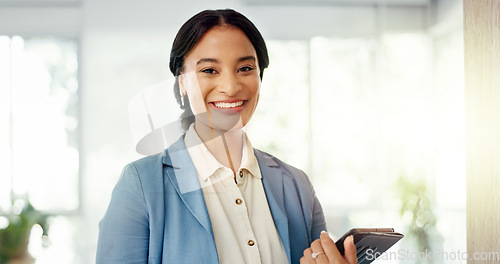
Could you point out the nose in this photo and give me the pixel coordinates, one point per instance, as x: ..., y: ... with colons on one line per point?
x: 229, y: 84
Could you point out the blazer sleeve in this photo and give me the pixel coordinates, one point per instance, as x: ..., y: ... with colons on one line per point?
x: 124, y: 229
x: 318, y: 223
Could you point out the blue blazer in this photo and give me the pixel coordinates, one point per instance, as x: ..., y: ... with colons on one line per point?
x: 157, y: 212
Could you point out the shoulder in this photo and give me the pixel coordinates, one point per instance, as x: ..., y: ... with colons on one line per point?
x: 146, y: 172
x: 149, y: 171
x: 157, y: 160
x: 146, y: 162
x: 137, y: 174
x: 267, y: 159
x: 142, y: 168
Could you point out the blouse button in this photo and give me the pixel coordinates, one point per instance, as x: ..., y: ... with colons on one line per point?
x: 251, y: 243
x: 241, y: 174
x: 239, y: 201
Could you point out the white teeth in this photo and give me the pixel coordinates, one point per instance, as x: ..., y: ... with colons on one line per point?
x: 228, y: 105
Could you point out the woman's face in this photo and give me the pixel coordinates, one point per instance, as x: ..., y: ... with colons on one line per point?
x: 221, y: 79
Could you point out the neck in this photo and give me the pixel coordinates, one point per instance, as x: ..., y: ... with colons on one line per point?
x: 225, y: 146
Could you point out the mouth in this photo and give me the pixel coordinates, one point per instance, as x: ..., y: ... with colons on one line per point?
x: 228, y: 106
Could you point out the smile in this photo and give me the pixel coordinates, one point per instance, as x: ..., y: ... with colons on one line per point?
x: 223, y: 105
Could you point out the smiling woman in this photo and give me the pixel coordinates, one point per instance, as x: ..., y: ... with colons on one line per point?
x: 211, y: 197
x: 221, y: 79
x: 228, y: 32
x: 222, y: 75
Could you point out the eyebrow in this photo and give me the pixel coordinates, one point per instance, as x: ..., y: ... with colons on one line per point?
x: 246, y: 58
x: 203, y: 60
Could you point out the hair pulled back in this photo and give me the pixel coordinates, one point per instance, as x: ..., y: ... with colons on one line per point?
x: 189, y: 35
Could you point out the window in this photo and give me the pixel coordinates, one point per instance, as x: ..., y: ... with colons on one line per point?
x: 363, y: 112
x: 39, y: 156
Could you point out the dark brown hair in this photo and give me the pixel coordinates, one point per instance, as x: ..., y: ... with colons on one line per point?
x: 192, y: 31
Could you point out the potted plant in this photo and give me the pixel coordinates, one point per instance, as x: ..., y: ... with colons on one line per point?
x: 14, y: 238
x: 418, y: 206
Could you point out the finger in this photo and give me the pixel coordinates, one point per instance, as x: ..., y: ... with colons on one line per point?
x: 317, y: 248
x: 331, y: 251
x: 307, y: 258
x: 350, y: 250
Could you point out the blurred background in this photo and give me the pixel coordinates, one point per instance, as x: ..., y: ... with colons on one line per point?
x: 365, y: 96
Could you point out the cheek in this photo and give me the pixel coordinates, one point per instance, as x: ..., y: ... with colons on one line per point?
x: 196, y: 94
x: 255, y: 89
x: 257, y: 98
x: 202, y: 91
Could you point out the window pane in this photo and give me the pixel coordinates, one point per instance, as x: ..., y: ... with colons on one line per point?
x: 450, y: 161
x: 384, y: 109
x: 44, y: 122
x: 283, y: 104
x: 5, y: 150
x: 343, y: 122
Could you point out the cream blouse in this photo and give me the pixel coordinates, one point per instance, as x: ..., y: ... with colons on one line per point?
x: 242, y: 223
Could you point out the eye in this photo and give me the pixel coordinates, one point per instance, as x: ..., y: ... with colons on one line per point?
x: 209, y: 71
x: 246, y: 68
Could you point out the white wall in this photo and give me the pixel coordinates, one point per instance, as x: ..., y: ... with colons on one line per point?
x: 59, y: 21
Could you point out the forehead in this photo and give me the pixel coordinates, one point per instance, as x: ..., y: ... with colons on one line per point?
x: 222, y: 42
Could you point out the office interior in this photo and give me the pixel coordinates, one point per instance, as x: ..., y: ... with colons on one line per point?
x: 366, y: 96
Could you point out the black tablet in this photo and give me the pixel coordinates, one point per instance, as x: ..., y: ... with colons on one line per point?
x: 370, y: 242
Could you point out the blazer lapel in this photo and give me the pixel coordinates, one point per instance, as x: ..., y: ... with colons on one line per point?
x: 272, y: 180
x: 184, y: 178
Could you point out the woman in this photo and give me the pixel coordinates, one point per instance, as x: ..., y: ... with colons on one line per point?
x: 210, y: 197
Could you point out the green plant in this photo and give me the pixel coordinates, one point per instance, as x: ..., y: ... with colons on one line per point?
x: 14, y: 238
x: 416, y: 206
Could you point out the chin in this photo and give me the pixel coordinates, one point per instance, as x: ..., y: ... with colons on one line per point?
x: 228, y: 125
x: 223, y: 124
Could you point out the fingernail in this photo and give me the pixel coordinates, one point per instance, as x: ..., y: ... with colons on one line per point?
x: 323, y: 232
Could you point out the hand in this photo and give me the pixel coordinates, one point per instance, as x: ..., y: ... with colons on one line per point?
x: 328, y: 252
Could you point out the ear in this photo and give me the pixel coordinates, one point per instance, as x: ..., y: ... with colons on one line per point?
x: 182, y: 87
